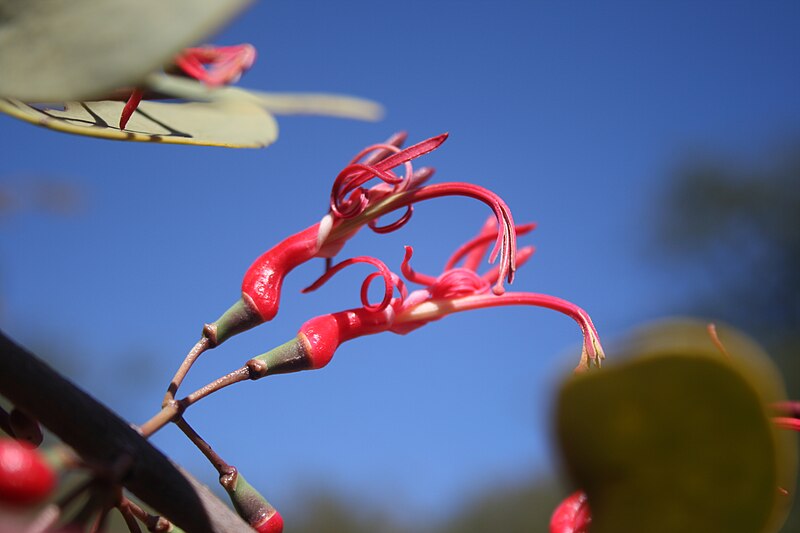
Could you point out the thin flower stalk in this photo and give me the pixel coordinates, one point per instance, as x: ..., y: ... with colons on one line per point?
x: 247, y: 501
x: 153, y: 523
x: 352, y: 206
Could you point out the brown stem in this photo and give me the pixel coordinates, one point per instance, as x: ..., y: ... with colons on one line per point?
x: 152, y: 522
x: 160, y: 419
x: 97, y: 500
x: 175, y: 408
x: 100, y: 521
x: 242, y: 374
x: 127, y: 515
x: 218, y: 462
x: 100, y: 437
x: 202, y: 345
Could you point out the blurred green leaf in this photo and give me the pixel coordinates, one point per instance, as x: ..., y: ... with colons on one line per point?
x: 56, y: 51
x: 334, y: 105
x: 679, y: 437
x: 230, y: 123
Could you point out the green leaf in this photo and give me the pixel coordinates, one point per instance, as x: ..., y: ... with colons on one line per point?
x: 58, y: 51
x: 678, y: 437
x: 229, y: 123
x: 334, y: 105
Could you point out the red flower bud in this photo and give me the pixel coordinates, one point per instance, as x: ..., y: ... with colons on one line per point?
x: 25, y: 478
x: 250, y: 504
x: 322, y: 335
x: 272, y: 524
x: 262, y: 285
x: 264, y: 279
x: 572, y: 515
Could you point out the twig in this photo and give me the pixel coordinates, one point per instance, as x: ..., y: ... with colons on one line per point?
x: 202, y: 345
x: 213, y: 457
x: 175, y: 408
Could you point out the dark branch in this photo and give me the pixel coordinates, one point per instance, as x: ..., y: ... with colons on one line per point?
x: 101, y: 437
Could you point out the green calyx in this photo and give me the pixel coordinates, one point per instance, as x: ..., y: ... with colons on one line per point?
x: 247, y: 501
x: 286, y: 358
x: 240, y: 317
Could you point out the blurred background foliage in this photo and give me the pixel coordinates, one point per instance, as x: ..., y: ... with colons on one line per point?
x: 733, y: 226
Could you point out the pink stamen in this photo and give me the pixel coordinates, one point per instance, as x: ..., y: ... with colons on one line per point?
x: 413, y: 152
x: 453, y: 283
x: 432, y: 312
x: 789, y: 408
x: 523, y: 255
x: 787, y: 423
x: 474, y: 250
x: 505, y: 242
x: 347, y: 189
x: 410, y: 274
x: 458, y: 283
x: 474, y: 256
x: 225, y: 63
x: 348, y: 184
x: 383, y: 271
x: 712, y: 332
x: 417, y: 179
x: 130, y: 106
x: 191, y: 65
x: 394, y: 226
x: 378, y: 152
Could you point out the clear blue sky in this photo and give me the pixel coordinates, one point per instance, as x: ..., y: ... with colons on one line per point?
x: 575, y: 112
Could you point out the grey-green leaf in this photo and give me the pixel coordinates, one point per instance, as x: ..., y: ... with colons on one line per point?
x: 72, y: 50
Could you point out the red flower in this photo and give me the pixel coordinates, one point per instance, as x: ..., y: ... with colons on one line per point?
x: 25, y: 478
x: 213, y: 65
x: 572, y: 515
x: 216, y: 65
x: 352, y: 207
x: 457, y: 289
x: 790, y: 415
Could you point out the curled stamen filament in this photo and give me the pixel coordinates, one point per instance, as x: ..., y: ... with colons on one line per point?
x: 383, y: 271
x: 787, y: 423
x: 412, y: 275
x: 505, y: 240
x: 349, y: 181
x: 434, y: 309
x: 479, y: 244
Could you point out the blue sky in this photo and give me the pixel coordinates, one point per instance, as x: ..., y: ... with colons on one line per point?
x: 575, y: 113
